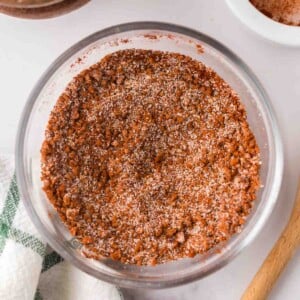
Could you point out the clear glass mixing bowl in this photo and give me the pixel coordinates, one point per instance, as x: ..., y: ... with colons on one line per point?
x: 28, y: 3
x: 165, y: 37
x: 39, y: 9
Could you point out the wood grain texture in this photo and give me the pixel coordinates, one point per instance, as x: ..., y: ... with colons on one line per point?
x: 278, y: 258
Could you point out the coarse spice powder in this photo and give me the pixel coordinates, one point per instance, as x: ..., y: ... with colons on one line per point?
x: 148, y: 158
x: 283, y: 11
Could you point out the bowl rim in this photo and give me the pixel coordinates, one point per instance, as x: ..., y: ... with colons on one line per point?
x: 271, y: 30
x: 145, y: 283
x: 29, y: 6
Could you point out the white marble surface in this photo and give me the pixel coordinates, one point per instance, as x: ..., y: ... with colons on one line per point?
x: 28, y: 47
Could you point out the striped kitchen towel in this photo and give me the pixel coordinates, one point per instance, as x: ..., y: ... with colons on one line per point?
x: 29, y: 269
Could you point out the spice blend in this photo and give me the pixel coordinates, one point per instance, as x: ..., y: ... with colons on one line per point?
x: 148, y: 158
x: 283, y: 11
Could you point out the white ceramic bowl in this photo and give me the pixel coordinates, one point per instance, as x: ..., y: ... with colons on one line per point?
x: 263, y: 25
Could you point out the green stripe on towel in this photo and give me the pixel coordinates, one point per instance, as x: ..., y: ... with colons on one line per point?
x: 51, y: 260
x: 9, y: 211
x: 38, y: 295
x: 28, y: 241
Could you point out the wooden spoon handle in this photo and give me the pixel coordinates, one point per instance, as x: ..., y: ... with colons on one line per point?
x: 277, y: 259
x: 268, y: 273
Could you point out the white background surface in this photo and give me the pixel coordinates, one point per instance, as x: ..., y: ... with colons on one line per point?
x: 28, y: 47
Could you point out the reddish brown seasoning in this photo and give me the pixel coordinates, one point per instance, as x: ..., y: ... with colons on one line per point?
x: 148, y: 158
x: 283, y: 11
x: 151, y: 36
x: 200, y: 49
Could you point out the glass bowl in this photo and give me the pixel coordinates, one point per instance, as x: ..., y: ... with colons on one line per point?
x: 158, y: 36
x: 28, y: 3
x: 39, y: 9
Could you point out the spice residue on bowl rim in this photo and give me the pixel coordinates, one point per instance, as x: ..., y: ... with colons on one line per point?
x: 152, y: 36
